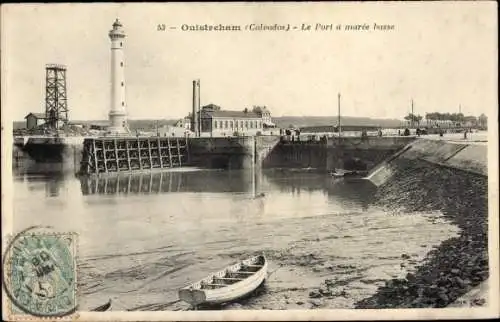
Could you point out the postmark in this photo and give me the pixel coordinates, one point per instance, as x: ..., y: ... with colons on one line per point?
x: 39, y: 273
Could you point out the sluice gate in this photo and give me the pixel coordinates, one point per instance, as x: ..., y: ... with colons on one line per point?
x: 113, y: 155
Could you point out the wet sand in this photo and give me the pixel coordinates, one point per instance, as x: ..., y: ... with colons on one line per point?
x: 321, y: 261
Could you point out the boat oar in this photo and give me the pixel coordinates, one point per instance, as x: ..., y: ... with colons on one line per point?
x: 103, y: 307
x: 153, y: 307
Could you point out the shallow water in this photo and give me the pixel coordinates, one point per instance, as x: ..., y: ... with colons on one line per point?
x: 142, y: 237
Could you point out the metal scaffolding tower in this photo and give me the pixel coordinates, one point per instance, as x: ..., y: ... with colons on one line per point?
x: 56, y: 101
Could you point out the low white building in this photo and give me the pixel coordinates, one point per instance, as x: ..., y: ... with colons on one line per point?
x: 439, y: 123
x: 174, y: 131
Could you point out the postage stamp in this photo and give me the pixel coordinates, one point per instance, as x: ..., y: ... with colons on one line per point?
x: 39, y: 272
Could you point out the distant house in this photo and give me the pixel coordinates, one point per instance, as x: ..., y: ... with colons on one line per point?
x: 98, y: 125
x: 328, y: 129
x: 265, y: 114
x: 184, y: 123
x: 33, y: 120
x: 177, y: 130
x: 318, y: 129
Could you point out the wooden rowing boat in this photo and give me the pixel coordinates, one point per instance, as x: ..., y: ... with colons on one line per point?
x: 337, y: 175
x: 340, y: 173
x: 229, y: 284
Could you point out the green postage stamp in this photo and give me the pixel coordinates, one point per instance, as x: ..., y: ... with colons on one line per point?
x: 39, y: 272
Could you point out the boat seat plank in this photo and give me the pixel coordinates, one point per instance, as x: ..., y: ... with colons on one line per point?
x: 229, y: 278
x: 243, y: 272
x: 215, y: 284
x: 254, y: 266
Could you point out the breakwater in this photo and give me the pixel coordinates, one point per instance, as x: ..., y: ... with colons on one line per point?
x: 49, y: 149
x: 129, y: 154
x: 450, y: 177
x: 47, y: 154
x: 460, y: 156
x: 107, y: 155
x: 134, y: 154
x: 231, y: 152
x: 351, y: 153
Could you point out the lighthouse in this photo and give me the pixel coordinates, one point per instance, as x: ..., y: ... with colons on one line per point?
x: 117, y: 112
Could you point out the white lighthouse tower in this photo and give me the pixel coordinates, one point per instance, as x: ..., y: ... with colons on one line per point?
x: 117, y: 113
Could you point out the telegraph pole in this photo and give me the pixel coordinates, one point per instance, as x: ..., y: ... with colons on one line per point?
x: 198, y: 104
x: 412, y: 115
x: 338, y: 103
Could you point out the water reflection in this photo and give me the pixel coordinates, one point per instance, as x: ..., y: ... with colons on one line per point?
x: 163, y: 182
x: 296, y: 181
x: 53, y: 186
x: 47, y: 176
x: 33, y: 168
x: 51, y: 183
x: 358, y: 193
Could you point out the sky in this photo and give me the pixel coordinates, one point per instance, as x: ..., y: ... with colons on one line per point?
x: 441, y: 55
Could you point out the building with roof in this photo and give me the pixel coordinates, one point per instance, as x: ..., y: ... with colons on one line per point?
x: 266, y: 116
x: 33, y: 120
x: 217, y: 122
x: 184, y: 123
x: 181, y: 128
x: 431, y: 123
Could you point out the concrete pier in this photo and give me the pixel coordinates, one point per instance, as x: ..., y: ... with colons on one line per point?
x: 132, y: 154
x: 352, y: 153
x: 231, y: 152
x: 42, y: 153
x: 124, y: 154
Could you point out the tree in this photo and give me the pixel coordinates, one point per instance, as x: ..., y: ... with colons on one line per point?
x: 418, y: 118
x: 432, y: 117
x: 483, y: 120
x: 471, y: 120
x: 413, y: 118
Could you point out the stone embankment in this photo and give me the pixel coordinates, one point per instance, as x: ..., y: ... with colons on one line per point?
x: 450, y: 177
x: 461, y: 156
